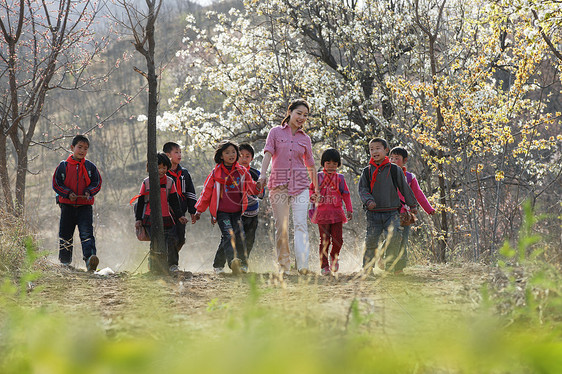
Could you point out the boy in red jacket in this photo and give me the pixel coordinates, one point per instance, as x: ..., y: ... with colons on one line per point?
x: 76, y: 181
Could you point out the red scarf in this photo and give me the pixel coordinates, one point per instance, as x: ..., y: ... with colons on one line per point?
x: 228, y: 179
x: 404, y: 170
x: 226, y: 176
x: 177, y: 175
x: 331, y: 181
x: 377, y: 167
x: 81, y: 168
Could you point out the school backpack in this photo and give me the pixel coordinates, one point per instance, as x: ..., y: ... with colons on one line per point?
x: 169, y: 183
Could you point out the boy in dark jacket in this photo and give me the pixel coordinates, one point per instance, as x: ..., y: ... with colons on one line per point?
x: 184, y: 188
x: 378, y: 191
x: 76, y: 181
x: 250, y: 216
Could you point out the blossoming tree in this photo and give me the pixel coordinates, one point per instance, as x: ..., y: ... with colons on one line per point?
x: 453, y: 81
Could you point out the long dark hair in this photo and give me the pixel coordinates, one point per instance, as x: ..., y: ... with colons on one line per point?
x: 294, y: 105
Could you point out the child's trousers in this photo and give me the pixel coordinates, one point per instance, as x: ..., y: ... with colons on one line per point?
x: 404, y: 242
x: 229, y: 249
x: 171, y: 244
x: 389, y: 223
x: 70, y: 217
x: 330, y: 233
x: 180, y: 235
x: 250, y: 226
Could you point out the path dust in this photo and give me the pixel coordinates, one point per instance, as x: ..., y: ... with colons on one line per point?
x: 125, y: 303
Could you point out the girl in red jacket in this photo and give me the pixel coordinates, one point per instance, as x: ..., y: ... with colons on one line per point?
x: 225, y: 193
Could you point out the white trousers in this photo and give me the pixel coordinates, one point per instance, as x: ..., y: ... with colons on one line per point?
x: 281, y: 202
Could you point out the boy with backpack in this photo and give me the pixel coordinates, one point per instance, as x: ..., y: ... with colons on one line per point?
x: 378, y: 187
x: 184, y: 187
x: 168, y: 199
x: 76, y: 181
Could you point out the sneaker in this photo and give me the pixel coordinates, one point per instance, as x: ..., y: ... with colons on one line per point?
x: 92, y: 263
x: 244, y: 269
x: 325, y: 271
x: 219, y: 270
x: 174, y: 269
x: 303, y: 271
x: 235, y: 266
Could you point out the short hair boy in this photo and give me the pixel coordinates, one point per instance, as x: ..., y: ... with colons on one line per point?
x: 184, y: 186
x: 378, y: 187
x: 76, y: 181
x: 250, y: 216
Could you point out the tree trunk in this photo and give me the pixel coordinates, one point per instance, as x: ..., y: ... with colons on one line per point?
x: 21, y: 176
x: 442, y: 242
x: 8, y: 203
x: 158, y: 258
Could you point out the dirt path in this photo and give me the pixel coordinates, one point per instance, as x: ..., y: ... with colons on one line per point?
x: 129, y: 303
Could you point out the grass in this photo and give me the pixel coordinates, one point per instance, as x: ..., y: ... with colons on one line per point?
x: 258, y: 339
x: 250, y: 327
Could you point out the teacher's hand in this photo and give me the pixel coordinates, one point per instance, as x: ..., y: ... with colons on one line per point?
x: 261, y: 183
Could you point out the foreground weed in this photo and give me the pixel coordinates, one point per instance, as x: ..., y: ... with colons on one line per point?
x: 528, y: 288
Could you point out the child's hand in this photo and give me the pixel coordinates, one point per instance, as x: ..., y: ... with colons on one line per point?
x: 183, y: 220
x: 213, y: 220
x: 72, y: 196
x: 414, y: 210
x: 349, y: 215
x: 371, y: 205
x: 138, y: 223
x: 195, y: 217
x: 87, y: 194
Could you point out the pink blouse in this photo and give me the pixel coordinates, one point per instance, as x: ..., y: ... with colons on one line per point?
x: 291, y: 155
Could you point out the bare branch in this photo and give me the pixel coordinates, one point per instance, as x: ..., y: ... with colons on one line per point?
x: 545, y: 37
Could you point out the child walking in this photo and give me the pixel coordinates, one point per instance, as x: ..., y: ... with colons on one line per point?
x: 225, y: 193
x: 184, y: 188
x: 168, y: 199
x: 328, y: 210
x: 399, y: 156
x: 378, y: 188
x: 250, y: 216
x: 76, y: 181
